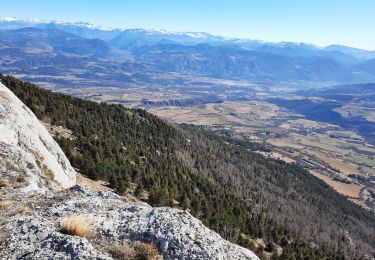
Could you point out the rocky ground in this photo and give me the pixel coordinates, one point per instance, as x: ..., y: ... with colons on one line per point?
x: 112, y: 225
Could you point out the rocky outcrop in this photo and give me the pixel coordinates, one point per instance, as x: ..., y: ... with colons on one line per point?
x: 176, y: 233
x: 27, y: 151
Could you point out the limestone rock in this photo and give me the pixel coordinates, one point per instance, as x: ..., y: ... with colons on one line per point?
x: 177, y: 234
x: 27, y: 150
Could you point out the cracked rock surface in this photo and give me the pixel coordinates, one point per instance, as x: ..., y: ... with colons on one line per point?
x: 176, y: 233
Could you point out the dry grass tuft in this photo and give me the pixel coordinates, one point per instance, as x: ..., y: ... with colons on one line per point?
x: 145, y: 251
x: 134, y: 251
x: 76, y: 225
x: 6, y: 204
x: 22, y: 210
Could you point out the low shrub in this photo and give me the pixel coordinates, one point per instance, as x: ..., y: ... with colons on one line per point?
x: 76, y: 225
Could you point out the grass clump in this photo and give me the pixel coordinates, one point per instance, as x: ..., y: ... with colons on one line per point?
x: 6, y: 204
x: 136, y: 250
x: 22, y: 210
x: 76, y: 225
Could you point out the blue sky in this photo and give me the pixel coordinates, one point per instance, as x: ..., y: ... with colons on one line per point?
x: 322, y: 22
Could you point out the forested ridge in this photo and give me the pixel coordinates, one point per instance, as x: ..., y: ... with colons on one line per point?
x: 236, y: 192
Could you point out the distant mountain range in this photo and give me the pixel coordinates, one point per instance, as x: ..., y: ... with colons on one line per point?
x: 54, y: 40
x: 184, y: 52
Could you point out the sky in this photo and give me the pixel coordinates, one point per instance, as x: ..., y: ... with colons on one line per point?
x: 320, y: 22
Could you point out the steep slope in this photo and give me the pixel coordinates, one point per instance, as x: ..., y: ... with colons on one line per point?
x: 27, y: 151
x: 32, y: 224
x: 239, y: 194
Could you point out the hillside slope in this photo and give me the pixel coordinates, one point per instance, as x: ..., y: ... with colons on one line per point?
x: 38, y: 222
x: 241, y: 195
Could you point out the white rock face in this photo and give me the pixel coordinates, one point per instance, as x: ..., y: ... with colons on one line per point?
x: 28, y: 150
x: 176, y: 233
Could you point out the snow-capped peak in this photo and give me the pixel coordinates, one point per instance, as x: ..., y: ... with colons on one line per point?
x: 39, y: 21
x: 36, y: 22
x: 8, y: 19
x: 15, y: 19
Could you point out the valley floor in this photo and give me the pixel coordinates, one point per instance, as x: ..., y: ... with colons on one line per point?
x: 343, y: 159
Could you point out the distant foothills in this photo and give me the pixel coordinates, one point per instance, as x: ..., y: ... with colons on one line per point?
x: 141, y: 53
